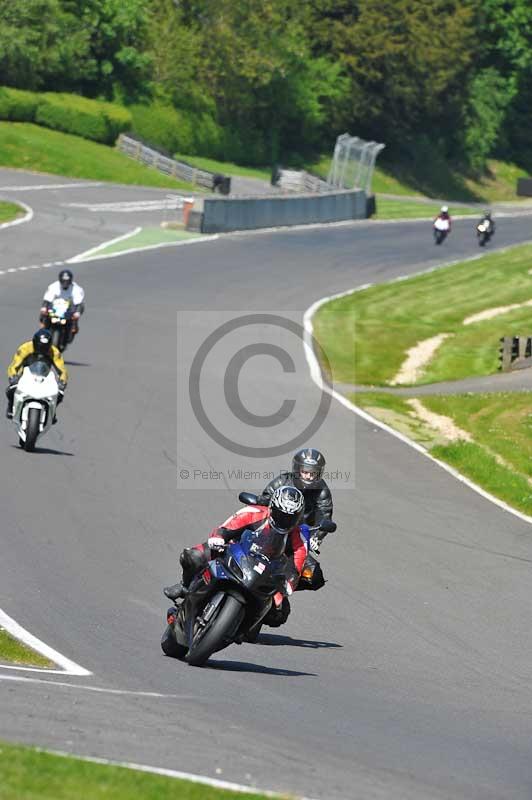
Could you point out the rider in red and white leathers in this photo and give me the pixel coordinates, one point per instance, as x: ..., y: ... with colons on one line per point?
x: 278, y: 520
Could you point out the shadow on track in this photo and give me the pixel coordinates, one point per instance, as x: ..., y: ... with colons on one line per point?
x: 43, y: 451
x: 274, y: 640
x: 77, y: 364
x: 243, y: 666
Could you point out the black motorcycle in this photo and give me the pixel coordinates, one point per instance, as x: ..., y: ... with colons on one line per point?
x: 231, y: 598
x: 484, y: 232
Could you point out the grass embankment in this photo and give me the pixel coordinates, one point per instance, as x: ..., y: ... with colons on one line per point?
x: 27, y: 146
x: 27, y: 774
x: 225, y: 167
x: 499, y: 457
x: 385, y: 321
x: 404, y: 209
x: 10, y: 211
x: 429, y: 177
x: 13, y: 652
x: 366, y: 336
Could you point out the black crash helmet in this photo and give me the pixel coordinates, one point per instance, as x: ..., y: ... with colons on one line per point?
x: 42, y: 342
x: 307, y: 468
x: 286, y: 508
x: 65, y: 278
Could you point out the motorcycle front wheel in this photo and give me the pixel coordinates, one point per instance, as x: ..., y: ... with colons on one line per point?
x: 220, y: 632
x: 32, y: 429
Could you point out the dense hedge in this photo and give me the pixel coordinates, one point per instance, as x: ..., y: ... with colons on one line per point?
x: 178, y: 131
x: 91, y: 119
x: 18, y: 105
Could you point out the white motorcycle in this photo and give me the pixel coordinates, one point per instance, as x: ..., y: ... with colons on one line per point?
x: 35, y: 403
x: 60, y: 320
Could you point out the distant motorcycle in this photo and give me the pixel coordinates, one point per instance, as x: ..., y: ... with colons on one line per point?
x: 35, y: 403
x: 60, y: 322
x: 484, y: 232
x: 441, y: 228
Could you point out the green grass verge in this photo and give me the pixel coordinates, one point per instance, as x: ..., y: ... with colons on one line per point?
x: 148, y: 237
x: 366, y: 335
x: 403, y: 209
x: 13, y: 652
x: 500, y: 457
x: 28, y: 774
x: 225, y: 167
x: 27, y: 146
x: 10, y: 211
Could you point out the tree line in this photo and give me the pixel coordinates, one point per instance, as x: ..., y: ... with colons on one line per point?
x: 283, y: 77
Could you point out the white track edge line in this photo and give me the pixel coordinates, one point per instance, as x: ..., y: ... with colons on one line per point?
x: 216, y: 783
x: 316, y: 375
x: 16, y: 630
x: 28, y: 216
x: 95, y: 689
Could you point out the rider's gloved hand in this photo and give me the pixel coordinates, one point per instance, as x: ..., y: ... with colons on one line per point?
x: 216, y: 542
x: 13, y: 380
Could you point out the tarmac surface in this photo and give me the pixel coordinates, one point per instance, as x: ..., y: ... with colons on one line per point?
x: 408, y: 676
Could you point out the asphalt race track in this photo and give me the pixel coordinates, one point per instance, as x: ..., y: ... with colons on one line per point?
x: 408, y: 676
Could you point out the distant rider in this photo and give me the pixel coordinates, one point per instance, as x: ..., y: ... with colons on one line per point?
x: 487, y: 218
x: 66, y: 289
x: 444, y: 216
x: 282, y: 517
x: 39, y: 348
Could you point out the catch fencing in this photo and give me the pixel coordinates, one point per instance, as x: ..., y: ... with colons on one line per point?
x: 169, y: 166
x: 515, y: 352
x: 353, y: 163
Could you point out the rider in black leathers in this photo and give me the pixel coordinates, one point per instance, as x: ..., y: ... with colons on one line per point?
x: 306, y: 475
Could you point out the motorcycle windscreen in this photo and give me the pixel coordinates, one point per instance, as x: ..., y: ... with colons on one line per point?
x: 40, y: 369
x: 266, y: 543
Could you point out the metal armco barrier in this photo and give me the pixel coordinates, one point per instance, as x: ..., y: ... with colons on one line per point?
x: 515, y: 352
x: 237, y: 214
x: 524, y: 187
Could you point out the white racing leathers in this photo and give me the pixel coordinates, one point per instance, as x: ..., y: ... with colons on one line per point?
x: 35, y: 403
x: 74, y: 294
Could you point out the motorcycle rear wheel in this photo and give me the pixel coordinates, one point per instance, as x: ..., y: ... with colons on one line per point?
x: 220, y: 632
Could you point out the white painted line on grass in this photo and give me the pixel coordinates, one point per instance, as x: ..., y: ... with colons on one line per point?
x: 87, y: 253
x: 26, y: 218
x: 85, y: 257
x: 215, y: 783
x: 20, y: 633
x: 317, y: 377
x: 37, y: 187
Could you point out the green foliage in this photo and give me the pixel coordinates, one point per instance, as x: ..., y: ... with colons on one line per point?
x: 16, y: 104
x: 490, y: 95
x: 92, y: 119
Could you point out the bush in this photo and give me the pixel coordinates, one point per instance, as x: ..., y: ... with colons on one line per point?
x: 18, y: 105
x: 91, y: 119
x: 164, y: 127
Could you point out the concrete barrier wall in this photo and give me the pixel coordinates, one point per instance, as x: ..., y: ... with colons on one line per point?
x: 237, y: 214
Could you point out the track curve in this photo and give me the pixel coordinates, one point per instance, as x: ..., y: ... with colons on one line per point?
x: 407, y: 676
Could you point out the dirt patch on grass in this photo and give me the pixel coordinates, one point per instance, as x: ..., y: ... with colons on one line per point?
x: 444, y: 425
x: 489, y: 313
x: 417, y: 359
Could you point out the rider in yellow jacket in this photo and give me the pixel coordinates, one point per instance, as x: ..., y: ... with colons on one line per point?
x: 39, y: 348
